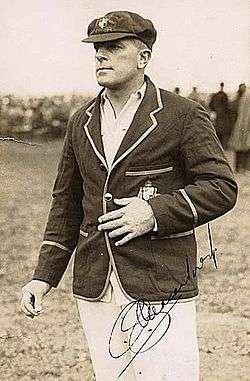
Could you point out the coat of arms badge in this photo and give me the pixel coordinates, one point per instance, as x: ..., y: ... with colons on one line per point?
x: 147, y: 191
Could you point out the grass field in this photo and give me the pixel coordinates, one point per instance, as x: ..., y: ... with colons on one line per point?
x: 53, y: 346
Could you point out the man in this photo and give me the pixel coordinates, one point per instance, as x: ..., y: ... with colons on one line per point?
x: 140, y: 169
x: 220, y: 105
x: 195, y: 96
x: 240, y: 138
x: 177, y: 90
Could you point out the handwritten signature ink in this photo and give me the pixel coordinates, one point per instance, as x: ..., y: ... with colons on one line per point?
x: 140, y: 339
x: 135, y: 317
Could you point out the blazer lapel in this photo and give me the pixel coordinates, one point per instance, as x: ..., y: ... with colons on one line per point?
x: 93, y: 129
x: 143, y: 123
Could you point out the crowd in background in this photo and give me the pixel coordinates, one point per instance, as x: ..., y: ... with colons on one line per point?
x: 49, y: 116
x: 37, y: 116
x: 231, y: 119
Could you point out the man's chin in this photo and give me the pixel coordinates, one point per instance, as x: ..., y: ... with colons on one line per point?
x: 101, y: 82
x: 106, y: 83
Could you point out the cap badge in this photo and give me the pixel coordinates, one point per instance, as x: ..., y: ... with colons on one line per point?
x: 103, y: 22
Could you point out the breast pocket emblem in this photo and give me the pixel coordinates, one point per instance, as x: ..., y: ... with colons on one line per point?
x: 147, y: 191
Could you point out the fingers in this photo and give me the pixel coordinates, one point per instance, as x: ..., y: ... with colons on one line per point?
x: 38, y: 304
x: 125, y: 239
x: 27, y: 304
x: 119, y: 212
x: 26, y: 311
x: 117, y: 232
x: 111, y: 215
x: 134, y: 219
x: 110, y: 225
x: 124, y: 201
x: 31, y: 304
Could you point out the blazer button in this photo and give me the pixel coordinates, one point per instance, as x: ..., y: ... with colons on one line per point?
x: 102, y: 167
x: 108, y: 197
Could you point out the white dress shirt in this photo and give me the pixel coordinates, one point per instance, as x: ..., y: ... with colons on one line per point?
x: 113, y: 129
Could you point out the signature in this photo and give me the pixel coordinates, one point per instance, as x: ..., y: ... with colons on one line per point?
x: 139, y: 337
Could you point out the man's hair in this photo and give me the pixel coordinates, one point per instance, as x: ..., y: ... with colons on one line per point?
x: 140, y: 45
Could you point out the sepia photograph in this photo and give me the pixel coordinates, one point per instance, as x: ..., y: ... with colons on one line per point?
x: 124, y: 190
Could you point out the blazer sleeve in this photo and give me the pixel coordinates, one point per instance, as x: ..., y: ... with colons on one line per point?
x: 65, y: 217
x: 211, y: 189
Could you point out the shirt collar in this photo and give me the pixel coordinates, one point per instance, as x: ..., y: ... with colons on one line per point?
x: 139, y: 94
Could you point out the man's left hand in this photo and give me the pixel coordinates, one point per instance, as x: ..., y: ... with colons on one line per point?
x: 134, y: 218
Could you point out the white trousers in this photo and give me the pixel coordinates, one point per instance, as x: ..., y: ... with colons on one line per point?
x: 141, y: 341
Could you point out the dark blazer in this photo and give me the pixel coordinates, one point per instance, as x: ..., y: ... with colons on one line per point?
x: 172, y: 144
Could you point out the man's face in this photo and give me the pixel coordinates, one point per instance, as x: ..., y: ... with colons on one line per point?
x: 116, y: 62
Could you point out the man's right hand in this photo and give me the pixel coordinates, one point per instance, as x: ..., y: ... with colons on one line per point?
x: 33, y: 294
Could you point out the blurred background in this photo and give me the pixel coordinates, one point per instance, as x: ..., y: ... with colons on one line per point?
x: 46, y: 73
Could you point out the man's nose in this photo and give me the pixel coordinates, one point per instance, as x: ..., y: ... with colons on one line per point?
x: 101, y: 56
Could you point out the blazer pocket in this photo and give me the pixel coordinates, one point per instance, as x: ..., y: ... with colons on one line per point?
x: 148, y: 181
x: 176, y: 235
x: 83, y: 246
x: 148, y: 172
x: 82, y: 259
x: 84, y: 234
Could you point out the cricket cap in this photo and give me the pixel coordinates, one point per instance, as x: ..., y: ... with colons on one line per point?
x: 121, y: 24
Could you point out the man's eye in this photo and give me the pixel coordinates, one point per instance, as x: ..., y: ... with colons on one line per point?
x: 108, y: 46
x: 114, y: 47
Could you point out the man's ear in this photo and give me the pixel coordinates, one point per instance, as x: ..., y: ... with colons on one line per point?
x: 143, y: 58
